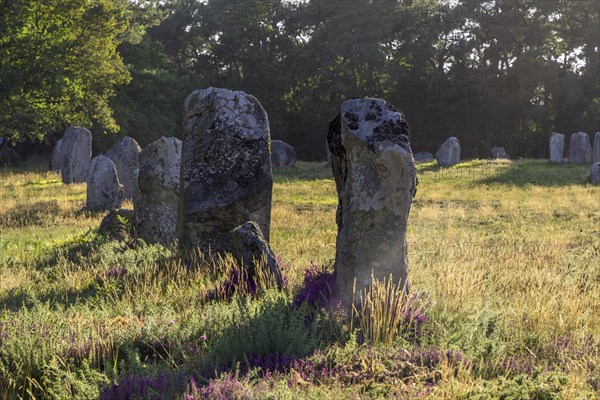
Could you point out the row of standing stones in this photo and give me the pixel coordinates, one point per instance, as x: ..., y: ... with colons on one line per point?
x: 581, y: 151
x: 212, y: 191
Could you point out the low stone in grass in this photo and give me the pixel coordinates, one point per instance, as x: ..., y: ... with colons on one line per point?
x: 117, y: 224
x: 449, y: 152
x: 250, y: 248
x: 499, y: 153
x: 423, y: 157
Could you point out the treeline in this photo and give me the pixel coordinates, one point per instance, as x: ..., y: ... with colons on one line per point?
x: 493, y: 73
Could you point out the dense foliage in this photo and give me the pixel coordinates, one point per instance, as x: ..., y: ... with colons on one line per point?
x: 491, y: 72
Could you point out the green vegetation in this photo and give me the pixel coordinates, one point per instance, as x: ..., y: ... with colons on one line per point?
x: 504, y: 278
x: 492, y: 73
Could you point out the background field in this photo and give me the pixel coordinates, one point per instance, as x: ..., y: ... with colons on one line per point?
x: 504, y: 263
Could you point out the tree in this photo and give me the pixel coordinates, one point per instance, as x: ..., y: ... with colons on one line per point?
x: 59, y: 65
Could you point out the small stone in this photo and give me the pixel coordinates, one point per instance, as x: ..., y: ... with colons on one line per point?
x: 104, y: 192
x: 282, y: 154
x: 449, y: 152
x: 250, y: 247
x: 499, y: 153
x: 423, y: 157
x: 117, y: 224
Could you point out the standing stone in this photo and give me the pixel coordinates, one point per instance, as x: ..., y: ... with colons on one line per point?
x: 225, y: 168
x: 595, y: 174
x: 375, y: 178
x: 156, y: 200
x: 423, y: 156
x: 596, y: 150
x: 104, y: 191
x: 126, y: 156
x: 250, y: 248
x: 76, y: 150
x: 499, y: 153
x: 580, y: 149
x: 55, y: 157
x: 449, y: 152
x: 282, y: 154
x: 557, y: 147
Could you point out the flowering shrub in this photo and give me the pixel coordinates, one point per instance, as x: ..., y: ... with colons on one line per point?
x: 318, y: 286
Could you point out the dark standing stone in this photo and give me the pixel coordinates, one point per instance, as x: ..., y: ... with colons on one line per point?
x: 104, y: 192
x: 375, y: 177
x: 76, y: 150
x: 580, y: 149
x: 126, y: 157
x: 557, y: 147
x: 156, y: 201
x: 56, y: 156
x: 225, y: 168
x: 282, y: 154
x: 595, y: 174
x: 596, y: 150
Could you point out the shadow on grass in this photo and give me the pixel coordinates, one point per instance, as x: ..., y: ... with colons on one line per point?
x: 18, y: 299
x: 539, y: 173
x: 303, y: 171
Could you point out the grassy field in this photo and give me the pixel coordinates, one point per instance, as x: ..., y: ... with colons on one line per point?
x: 505, y: 297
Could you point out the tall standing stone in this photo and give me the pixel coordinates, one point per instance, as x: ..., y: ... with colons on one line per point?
x: 449, y: 152
x: 225, y: 168
x: 76, y: 153
x: 375, y: 178
x: 104, y: 192
x: 56, y: 156
x: 156, y: 202
x: 126, y: 157
x: 580, y: 149
x: 596, y: 150
x: 557, y: 147
x: 282, y: 154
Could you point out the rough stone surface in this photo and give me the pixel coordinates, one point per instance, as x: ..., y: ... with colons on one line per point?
x: 117, y: 224
x: 250, y: 247
x: 282, y: 154
x: 56, y: 156
x: 595, y: 174
x: 126, y: 157
x: 500, y: 153
x: 104, y: 191
x: 375, y: 177
x: 557, y: 147
x: 423, y: 156
x: 76, y: 150
x: 449, y: 152
x: 156, y: 201
x: 225, y: 168
x: 596, y: 149
x: 580, y: 149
